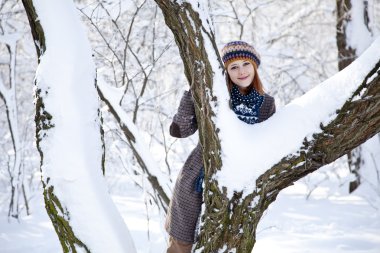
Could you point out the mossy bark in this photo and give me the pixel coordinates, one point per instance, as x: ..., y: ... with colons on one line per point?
x: 60, y: 218
x: 230, y: 224
x: 58, y: 213
x: 188, y: 30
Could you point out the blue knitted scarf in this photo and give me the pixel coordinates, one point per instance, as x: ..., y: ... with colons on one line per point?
x: 246, y: 107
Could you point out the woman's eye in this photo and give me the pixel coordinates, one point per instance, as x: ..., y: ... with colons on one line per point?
x: 234, y: 67
x: 246, y: 63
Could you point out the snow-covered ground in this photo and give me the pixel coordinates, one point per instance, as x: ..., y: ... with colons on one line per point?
x: 35, y: 234
x: 318, y: 225
x: 328, y: 221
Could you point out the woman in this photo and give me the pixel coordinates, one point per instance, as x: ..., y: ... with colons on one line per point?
x: 251, y: 105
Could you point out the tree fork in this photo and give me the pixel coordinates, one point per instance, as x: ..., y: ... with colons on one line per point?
x: 357, y: 121
x: 231, y: 224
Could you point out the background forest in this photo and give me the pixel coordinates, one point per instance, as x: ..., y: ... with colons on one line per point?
x: 136, y: 54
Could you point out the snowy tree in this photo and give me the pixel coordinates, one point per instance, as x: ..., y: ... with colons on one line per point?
x: 230, y: 219
x: 139, y: 90
x: 68, y: 133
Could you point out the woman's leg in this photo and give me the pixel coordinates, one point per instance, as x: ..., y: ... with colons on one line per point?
x: 176, y: 246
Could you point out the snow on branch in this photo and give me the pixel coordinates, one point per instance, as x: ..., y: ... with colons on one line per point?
x: 284, y: 133
x: 154, y: 175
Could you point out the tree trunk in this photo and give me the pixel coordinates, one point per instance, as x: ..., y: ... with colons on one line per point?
x: 346, y: 55
x: 230, y: 224
x: 57, y: 213
x: 69, y: 140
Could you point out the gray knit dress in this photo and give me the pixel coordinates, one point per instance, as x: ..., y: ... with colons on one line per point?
x: 185, y: 205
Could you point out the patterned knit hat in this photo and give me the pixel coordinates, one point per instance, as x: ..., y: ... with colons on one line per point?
x: 239, y: 50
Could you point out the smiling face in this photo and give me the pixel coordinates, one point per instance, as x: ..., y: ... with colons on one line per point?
x: 241, y: 73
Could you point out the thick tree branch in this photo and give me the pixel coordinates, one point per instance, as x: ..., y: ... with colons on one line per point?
x: 357, y: 121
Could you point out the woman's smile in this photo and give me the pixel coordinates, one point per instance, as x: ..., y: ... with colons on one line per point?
x: 243, y: 78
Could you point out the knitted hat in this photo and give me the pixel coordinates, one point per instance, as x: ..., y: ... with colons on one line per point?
x: 239, y: 50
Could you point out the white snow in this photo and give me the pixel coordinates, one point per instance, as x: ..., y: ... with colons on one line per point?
x: 72, y: 148
x: 326, y: 222
x: 248, y: 150
x: 35, y: 233
x: 322, y: 224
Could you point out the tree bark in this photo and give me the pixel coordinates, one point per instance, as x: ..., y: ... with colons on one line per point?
x: 346, y: 54
x: 230, y: 224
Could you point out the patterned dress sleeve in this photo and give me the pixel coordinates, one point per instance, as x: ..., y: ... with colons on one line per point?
x: 184, y: 121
